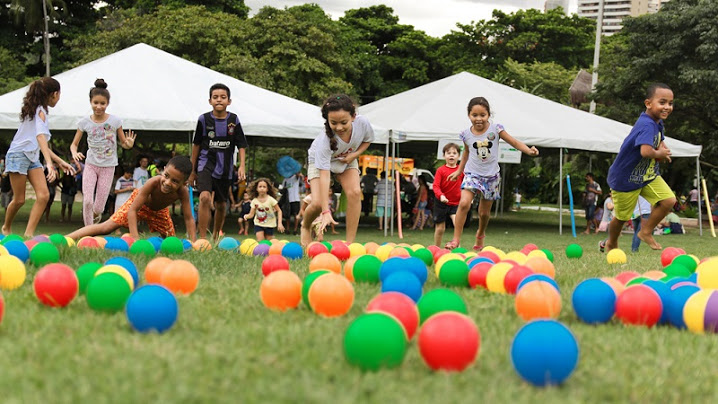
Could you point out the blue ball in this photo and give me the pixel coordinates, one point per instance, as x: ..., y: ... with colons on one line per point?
x: 478, y: 260
x: 186, y: 244
x: 664, y: 293
x: 128, y: 265
x: 544, y: 352
x: 156, y: 242
x: 392, y: 266
x: 594, y: 301
x: 538, y: 277
x: 673, y: 281
x: 403, y: 282
x: 675, y: 302
x: 117, y: 244
x: 417, y: 267
x: 152, y: 308
x: 18, y: 249
x: 693, y: 278
x: 228, y: 244
x: 292, y: 251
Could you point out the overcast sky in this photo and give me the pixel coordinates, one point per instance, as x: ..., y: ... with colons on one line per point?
x: 435, y: 17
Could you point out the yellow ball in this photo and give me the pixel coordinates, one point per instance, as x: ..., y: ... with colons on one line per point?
x: 383, y: 252
x: 496, y: 275
x: 694, y: 310
x: 70, y: 242
x: 500, y: 253
x: 119, y: 270
x: 517, y: 256
x: 536, y: 253
x: 469, y: 255
x: 3, y: 251
x: 444, y: 258
x: 616, y: 256
x: 707, y: 274
x: 247, y: 246
x: 711, y: 264
x: 416, y: 247
x: 696, y: 259
x: 12, y: 272
x: 356, y: 250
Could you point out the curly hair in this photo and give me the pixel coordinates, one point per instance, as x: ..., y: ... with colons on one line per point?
x: 38, y: 95
x: 337, y: 102
x: 252, y: 188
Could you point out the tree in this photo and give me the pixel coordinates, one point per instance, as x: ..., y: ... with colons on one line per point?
x: 236, y: 7
x: 547, y: 80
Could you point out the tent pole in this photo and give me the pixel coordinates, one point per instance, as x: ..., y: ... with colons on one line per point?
x: 560, y: 191
x: 700, y: 211
x: 393, y: 166
x: 386, y: 170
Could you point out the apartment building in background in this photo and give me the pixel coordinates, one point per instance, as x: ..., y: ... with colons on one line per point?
x: 551, y: 4
x: 614, y: 11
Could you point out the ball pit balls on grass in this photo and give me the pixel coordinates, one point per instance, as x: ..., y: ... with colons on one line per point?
x: 544, y: 352
x: 669, y: 253
x: 449, y: 341
x: 261, y: 250
x: 438, y: 300
x: 18, y: 249
x: 55, y: 285
x: 391, y: 266
x: 517, y: 256
x: 541, y: 265
x: 281, y: 291
x: 496, y: 275
x: 594, y: 301
x: 85, y: 273
x: 119, y: 270
x: 11, y: 237
x: 155, y: 268
x: 676, y: 303
x: 655, y: 275
x: 315, y: 249
x: 477, y: 274
x: 156, y: 243
x: 400, y: 264
x: 687, y: 261
x: 202, y: 245
x: 424, y: 255
x: 400, y: 306
x: 402, y: 252
x: 117, y: 244
x: 180, y: 276
x: 151, y: 308
x: 143, y: 247
x: 228, y: 244
x: 664, y: 293
x: 107, y: 292
x: 326, y: 261
x: 636, y: 281
x: 574, y: 251
x: 639, y: 305
x: 627, y: 276
x: 340, y: 250
x: 700, y: 313
x: 709, y: 264
x: 30, y: 244
x: 616, y: 256
x: 331, y: 295
x: 514, y: 277
x: 171, y: 246
x: 292, y: 251
x: 454, y: 273
x: 274, y: 263
x: 375, y: 341
x: 403, y: 282
x: 537, y: 299
x: 356, y: 250
x: 58, y: 240
x: 371, y: 247
x: 366, y: 269
x: 128, y: 239
x: 88, y: 242
x: 382, y: 252
x: 12, y: 272
x: 706, y: 278
x: 538, y: 277
x: 128, y: 265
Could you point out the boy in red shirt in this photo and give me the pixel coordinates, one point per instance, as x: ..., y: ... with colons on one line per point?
x: 447, y: 193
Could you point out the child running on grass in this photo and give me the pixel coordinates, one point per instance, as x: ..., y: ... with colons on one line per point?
x: 346, y: 136
x: 103, y: 130
x: 265, y: 209
x: 447, y: 193
x: 22, y: 161
x: 246, y: 207
x: 635, y: 171
x: 151, y: 204
x: 480, y: 165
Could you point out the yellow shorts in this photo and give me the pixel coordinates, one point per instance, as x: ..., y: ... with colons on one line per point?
x: 624, y: 203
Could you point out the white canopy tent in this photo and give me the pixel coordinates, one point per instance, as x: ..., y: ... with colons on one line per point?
x: 438, y: 110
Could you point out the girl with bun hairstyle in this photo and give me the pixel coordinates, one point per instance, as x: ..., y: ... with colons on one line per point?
x: 103, y: 130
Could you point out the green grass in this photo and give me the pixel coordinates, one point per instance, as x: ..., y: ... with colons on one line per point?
x: 226, y: 347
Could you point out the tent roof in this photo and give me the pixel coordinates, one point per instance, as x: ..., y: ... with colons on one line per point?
x: 438, y: 110
x: 154, y: 91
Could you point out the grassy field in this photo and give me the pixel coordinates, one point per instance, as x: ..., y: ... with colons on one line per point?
x: 226, y: 347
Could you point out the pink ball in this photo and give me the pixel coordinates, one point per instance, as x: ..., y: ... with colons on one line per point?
x: 639, y: 305
x: 439, y: 253
x: 274, y: 263
x: 433, y: 249
x: 316, y: 249
x: 340, y: 250
x: 669, y: 253
x: 56, y: 285
x: 625, y: 277
x: 400, y: 306
x: 530, y: 247
x: 449, y: 341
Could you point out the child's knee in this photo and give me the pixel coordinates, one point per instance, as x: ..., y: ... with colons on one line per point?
x: 205, y: 198
x: 42, y: 196
x: 353, y: 194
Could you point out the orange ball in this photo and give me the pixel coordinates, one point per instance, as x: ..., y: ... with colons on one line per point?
x: 180, y: 276
x: 331, y: 295
x: 399, y: 252
x: 325, y: 261
x: 541, y: 265
x: 349, y: 268
x: 202, y: 244
x: 655, y: 275
x: 155, y: 268
x: 617, y: 286
x: 371, y: 247
x: 538, y: 299
x: 101, y: 241
x: 281, y: 290
x: 276, y: 248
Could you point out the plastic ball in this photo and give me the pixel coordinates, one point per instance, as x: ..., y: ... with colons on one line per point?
x: 471, y: 262
x: 594, y: 301
x: 495, y: 258
x: 625, y: 277
x: 382, y: 252
x: 119, y: 270
x: 274, y: 263
x: 669, y: 253
x: 328, y: 245
x: 117, y: 244
x: 325, y: 261
x: 155, y: 268
x: 85, y: 273
x: 514, y: 276
x: 12, y: 272
x: 449, y: 341
x: 307, y: 284
x: 477, y: 274
x: 400, y: 252
x: 496, y: 275
x: 11, y: 237
x: 180, y: 276
x: 260, y: 250
x: 366, y: 269
x: 403, y: 282
x: 151, y: 308
x: 537, y: 299
x: 356, y: 250
x: 2, y: 308
x: 424, y: 255
x: 517, y: 256
x: 172, y: 245
x: 281, y: 290
x: 707, y: 278
x: 349, y: 268
x: 292, y: 251
x: 129, y: 239
x: 676, y: 302
x: 18, y: 249
x: 700, y: 313
x: 574, y: 251
x: 400, y: 306
x: 228, y: 244
x: 639, y: 305
x: 438, y: 300
x: 454, y: 273
x: 58, y: 240
x: 331, y: 295
x: 444, y: 259
x: 107, y: 292
x: 275, y: 248
x: 374, y: 341
x: 142, y: 247
x: 157, y: 243
x: 203, y: 245
x: 316, y: 249
x: 341, y: 251
x: 371, y: 247
x: 687, y: 261
x: 391, y: 266
x: 128, y: 265
x: 708, y: 264
x: 537, y: 253
x: 44, y: 253
x: 655, y: 275
x: 544, y: 352
x: 664, y: 292
x: 636, y: 281
x: 616, y: 256
x: 548, y: 253
x: 541, y: 265
x: 55, y: 285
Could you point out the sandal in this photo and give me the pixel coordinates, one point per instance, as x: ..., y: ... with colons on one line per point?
x: 602, y: 245
x: 452, y: 244
x: 477, y: 248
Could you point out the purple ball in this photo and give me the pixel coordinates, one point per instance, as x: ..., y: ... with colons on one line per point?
x: 261, y: 250
x: 41, y: 239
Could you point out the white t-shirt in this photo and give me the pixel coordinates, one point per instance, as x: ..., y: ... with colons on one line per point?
x: 643, y: 207
x: 607, y: 213
x: 322, y: 156
x: 140, y: 176
x: 483, y: 151
x: 25, y: 140
x: 122, y: 197
x: 101, y: 140
x: 291, y: 185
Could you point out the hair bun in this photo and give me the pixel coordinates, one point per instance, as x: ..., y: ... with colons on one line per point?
x: 100, y: 83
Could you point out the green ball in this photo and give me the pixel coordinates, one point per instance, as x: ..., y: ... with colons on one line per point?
x: 328, y: 245
x: 85, y: 273
x: 636, y: 281
x: 366, y: 269
x: 267, y: 242
x: 108, y: 292
x: 676, y: 269
x: 172, y: 245
x: 574, y: 251
x: 11, y: 237
x: 439, y: 300
x: 374, y: 341
x: 58, y: 240
x: 459, y: 250
x: 424, y: 255
x: 687, y: 261
x: 308, y: 281
x: 44, y: 253
x: 454, y: 273
x: 667, y: 278
x: 143, y: 247
x: 548, y: 253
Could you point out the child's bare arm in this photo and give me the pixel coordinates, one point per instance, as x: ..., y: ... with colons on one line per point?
x: 137, y: 204
x: 187, y: 213
x: 531, y: 151
x: 250, y: 214
x: 280, y: 226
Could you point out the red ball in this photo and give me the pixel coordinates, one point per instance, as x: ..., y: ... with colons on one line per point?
x: 669, y: 253
x: 639, y: 305
x: 128, y: 239
x: 273, y: 263
x: 514, y: 277
x: 530, y: 247
x: 439, y: 253
x: 477, y: 274
x: 490, y: 255
x: 399, y: 306
x: 2, y: 307
x: 449, y: 341
x: 56, y: 285
x: 316, y: 249
x: 433, y: 249
x: 625, y: 277
x: 30, y: 244
x: 340, y: 250
x: 88, y: 242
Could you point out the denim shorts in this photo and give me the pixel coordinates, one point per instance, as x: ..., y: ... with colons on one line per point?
x: 17, y: 162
